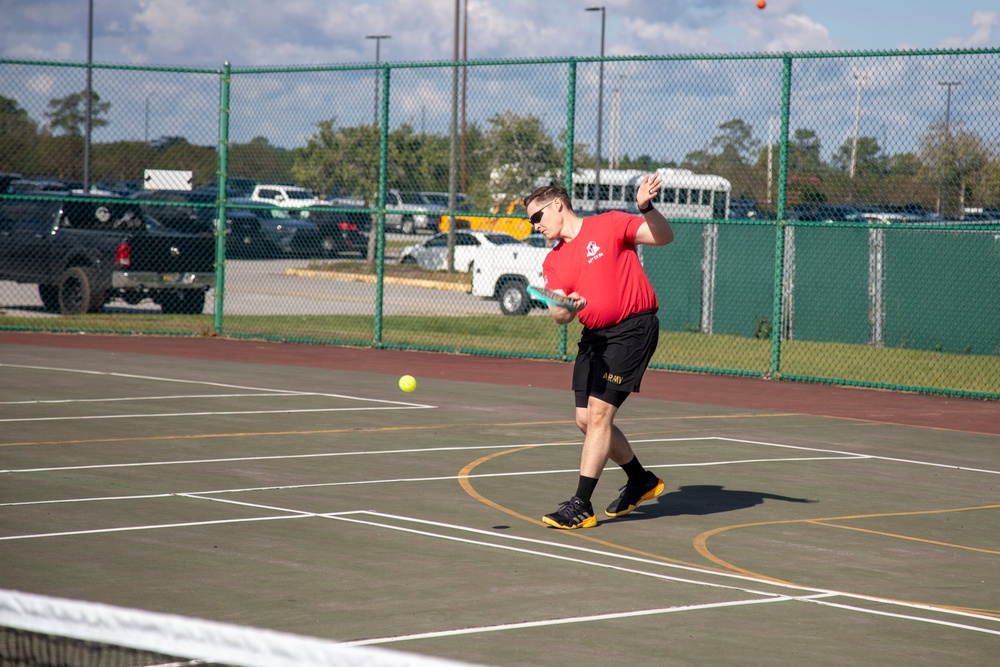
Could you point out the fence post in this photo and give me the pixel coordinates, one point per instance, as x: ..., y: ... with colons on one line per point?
x: 780, y: 222
x: 383, y: 159
x: 568, y: 163
x: 220, y: 204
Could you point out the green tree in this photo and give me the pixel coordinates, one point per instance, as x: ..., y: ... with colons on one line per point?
x: 517, y: 152
x: 60, y: 156
x: 18, y: 136
x: 988, y: 186
x: 121, y: 160
x: 201, y: 161
x: 735, y: 144
x: 69, y: 113
x: 903, y: 164
x: 259, y: 160
x: 803, y: 153
x: 868, y: 159
x: 700, y: 161
x: 953, y: 157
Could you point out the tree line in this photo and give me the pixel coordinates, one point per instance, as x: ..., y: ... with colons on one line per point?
x: 953, y: 168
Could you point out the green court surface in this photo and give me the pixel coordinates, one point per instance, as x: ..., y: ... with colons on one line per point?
x: 326, y: 502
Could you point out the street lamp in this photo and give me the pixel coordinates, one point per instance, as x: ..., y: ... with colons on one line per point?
x: 947, y: 113
x: 600, y: 113
x: 947, y: 133
x: 857, y: 123
x: 378, y: 43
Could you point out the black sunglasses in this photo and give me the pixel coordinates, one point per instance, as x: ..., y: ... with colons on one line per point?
x: 536, y: 217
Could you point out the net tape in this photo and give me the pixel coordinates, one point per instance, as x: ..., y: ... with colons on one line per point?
x: 42, y: 630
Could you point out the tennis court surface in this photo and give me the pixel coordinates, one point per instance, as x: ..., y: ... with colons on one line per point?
x: 295, y: 488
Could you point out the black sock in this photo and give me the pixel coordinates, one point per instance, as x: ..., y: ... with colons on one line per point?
x: 635, y: 471
x: 585, y: 488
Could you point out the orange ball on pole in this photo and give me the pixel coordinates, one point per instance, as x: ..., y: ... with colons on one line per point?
x: 761, y: 4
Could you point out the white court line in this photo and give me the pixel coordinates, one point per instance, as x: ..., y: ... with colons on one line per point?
x: 204, y: 383
x: 214, y: 413
x: 560, y: 621
x: 128, y: 529
x: 870, y: 456
x: 346, y: 516
x: 441, y: 478
x: 141, y: 464
x: 908, y: 617
x: 391, y: 452
x: 149, y: 398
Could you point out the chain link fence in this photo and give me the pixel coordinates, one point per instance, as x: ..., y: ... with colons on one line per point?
x: 836, y: 216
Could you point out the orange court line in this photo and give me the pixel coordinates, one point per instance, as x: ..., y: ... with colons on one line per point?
x: 370, y: 430
x: 463, y: 479
x: 700, y: 544
x: 905, y: 537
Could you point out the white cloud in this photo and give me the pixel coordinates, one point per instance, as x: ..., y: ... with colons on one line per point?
x: 983, y: 24
x: 40, y: 84
x: 667, y: 38
x: 787, y: 32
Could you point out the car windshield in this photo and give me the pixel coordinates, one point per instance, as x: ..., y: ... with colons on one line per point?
x: 300, y: 194
x: 413, y: 198
x: 501, y: 239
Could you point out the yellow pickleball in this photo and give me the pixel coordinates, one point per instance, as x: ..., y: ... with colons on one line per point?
x: 407, y: 383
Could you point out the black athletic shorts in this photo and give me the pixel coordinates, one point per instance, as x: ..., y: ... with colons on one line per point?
x: 611, y: 361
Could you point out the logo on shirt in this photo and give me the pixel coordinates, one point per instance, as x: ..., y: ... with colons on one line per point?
x: 593, y: 252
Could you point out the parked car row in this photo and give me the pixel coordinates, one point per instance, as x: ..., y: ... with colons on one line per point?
x: 261, y: 230
x: 432, y: 254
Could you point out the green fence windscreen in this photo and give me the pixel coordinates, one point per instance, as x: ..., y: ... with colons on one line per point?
x: 836, y: 215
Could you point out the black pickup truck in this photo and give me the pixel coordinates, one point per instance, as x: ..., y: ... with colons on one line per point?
x: 82, y: 252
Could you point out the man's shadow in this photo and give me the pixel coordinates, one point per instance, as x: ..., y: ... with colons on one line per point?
x: 701, y: 499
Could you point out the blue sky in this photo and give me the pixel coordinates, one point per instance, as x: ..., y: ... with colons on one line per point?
x: 667, y: 111
x: 205, y: 33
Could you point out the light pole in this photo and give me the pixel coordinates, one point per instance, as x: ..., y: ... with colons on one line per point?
x: 465, y: 78
x: 947, y: 134
x: 378, y: 43
x: 453, y: 147
x: 857, y: 124
x: 89, y: 93
x: 600, y: 113
x: 145, y: 132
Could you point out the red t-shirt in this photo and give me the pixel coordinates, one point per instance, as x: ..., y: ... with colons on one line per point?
x: 601, y: 265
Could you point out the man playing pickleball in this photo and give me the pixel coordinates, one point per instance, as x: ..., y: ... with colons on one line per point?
x: 596, y: 265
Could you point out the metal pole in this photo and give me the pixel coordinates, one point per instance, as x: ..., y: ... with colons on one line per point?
x: 947, y: 135
x: 781, y: 314
x: 383, y: 162
x: 857, y: 124
x: 378, y: 43
x: 568, y: 166
x: 600, y: 114
x: 453, y: 161
x: 221, y: 216
x: 89, y: 93
x: 465, y: 80
x: 770, y: 157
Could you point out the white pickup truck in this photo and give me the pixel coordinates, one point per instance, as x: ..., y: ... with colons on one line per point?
x: 286, y: 196
x: 504, y: 272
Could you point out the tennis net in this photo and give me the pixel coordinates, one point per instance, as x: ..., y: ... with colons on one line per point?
x: 54, y: 632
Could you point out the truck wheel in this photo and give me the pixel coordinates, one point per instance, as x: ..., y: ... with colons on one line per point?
x: 514, y: 298
x: 407, y: 226
x: 182, y: 302
x: 50, y: 297
x: 77, y: 292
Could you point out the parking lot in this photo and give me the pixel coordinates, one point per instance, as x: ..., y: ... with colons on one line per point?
x: 255, y: 287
